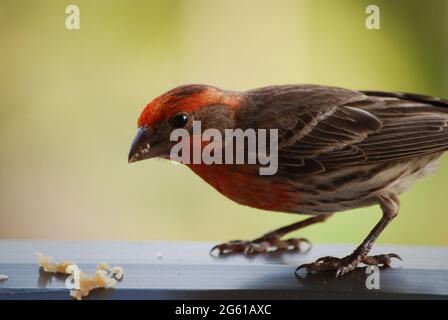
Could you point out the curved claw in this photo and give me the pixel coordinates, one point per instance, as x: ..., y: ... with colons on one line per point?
x: 340, y: 272
x: 248, y: 250
x: 216, y: 248
x: 394, y: 255
x: 305, y: 265
x: 310, y: 245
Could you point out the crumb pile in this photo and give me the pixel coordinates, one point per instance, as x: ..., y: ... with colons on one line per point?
x: 3, y: 277
x: 117, y: 272
x: 100, y: 278
x: 48, y: 266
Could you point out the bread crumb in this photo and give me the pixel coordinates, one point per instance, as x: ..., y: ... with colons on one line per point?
x: 3, y: 277
x: 159, y: 255
x: 117, y: 272
x: 87, y: 284
x: 48, y: 266
x: 99, y: 279
x: 103, y: 266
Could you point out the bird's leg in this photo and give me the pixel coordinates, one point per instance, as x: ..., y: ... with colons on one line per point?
x: 390, y: 206
x: 270, y: 241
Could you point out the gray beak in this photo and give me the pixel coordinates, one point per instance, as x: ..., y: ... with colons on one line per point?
x: 147, y: 145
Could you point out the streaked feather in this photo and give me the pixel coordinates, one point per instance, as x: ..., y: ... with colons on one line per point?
x: 324, y: 128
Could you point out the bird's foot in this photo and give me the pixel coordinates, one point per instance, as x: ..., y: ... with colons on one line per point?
x: 267, y: 243
x: 344, y: 265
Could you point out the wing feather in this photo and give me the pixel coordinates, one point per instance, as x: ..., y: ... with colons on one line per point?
x: 324, y: 128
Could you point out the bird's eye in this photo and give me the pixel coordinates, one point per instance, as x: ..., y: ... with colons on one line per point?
x: 179, y: 120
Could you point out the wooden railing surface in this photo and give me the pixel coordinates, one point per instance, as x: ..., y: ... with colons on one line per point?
x: 185, y: 270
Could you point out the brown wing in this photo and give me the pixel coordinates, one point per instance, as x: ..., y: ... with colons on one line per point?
x: 324, y: 128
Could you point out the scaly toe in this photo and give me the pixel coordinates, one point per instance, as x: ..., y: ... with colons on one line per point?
x: 256, y: 247
x: 228, y: 247
x: 342, y: 266
x: 260, y: 245
x: 383, y: 260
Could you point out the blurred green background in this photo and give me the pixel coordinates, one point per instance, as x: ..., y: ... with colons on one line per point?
x: 69, y: 101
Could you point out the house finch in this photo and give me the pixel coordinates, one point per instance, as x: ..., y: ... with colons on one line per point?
x: 338, y: 149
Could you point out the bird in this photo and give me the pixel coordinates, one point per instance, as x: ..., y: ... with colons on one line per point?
x: 338, y: 149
